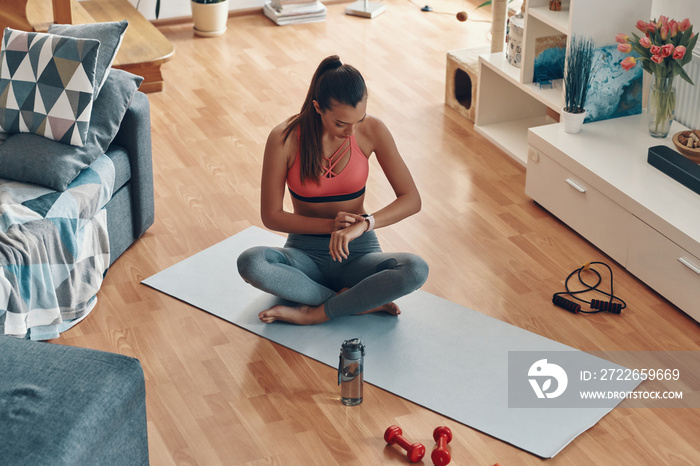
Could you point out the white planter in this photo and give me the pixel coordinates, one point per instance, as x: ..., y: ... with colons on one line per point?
x: 210, y: 18
x: 572, y: 121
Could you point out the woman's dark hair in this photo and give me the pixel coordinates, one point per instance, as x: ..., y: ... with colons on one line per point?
x: 333, y: 81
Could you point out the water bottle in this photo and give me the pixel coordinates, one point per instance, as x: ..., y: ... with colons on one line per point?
x: 350, y: 370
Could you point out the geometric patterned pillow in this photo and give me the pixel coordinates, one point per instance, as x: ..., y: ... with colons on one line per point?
x: 110, y: 34
x: 47, y: 85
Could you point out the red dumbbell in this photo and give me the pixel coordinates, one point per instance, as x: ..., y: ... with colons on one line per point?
x: 414, y: 451
x: 442, y: 436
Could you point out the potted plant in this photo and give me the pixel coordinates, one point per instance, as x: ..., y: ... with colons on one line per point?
x: 209, y: 17
x: 578, y: 73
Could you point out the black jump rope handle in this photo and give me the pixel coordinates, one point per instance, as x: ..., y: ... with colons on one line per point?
x: 575, y: 308
x: 606, y: 306
x: 564, y: 303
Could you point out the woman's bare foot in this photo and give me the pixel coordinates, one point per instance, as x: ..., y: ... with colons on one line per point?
x: 389, y: 308
x: 300, y: 315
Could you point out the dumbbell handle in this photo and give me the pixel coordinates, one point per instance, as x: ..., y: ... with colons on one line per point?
x: 414, y: 451
x: 441, y: 456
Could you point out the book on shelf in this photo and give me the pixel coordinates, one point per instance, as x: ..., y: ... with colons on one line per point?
x: 295, y: 13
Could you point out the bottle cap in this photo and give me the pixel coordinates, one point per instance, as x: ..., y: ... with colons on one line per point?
x: 353, y: 349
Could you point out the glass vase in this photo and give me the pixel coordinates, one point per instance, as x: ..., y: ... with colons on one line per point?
x: 661, y: 106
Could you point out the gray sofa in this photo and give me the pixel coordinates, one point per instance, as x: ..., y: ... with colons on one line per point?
x: 109, y: 179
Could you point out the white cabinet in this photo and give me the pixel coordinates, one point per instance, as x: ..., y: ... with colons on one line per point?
x: 575, y: 202
x: 600, y: 184
x: 671, y: 270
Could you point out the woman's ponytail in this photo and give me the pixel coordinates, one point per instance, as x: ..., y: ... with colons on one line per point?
x: 332, y: 82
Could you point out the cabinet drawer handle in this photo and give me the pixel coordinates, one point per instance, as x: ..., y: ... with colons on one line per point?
x: 690, y: 265
x: 575, y: 185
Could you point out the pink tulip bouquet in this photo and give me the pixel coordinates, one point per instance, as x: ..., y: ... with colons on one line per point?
x: 666, y: 46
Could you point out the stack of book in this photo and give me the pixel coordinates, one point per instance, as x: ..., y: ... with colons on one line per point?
x: 284, y: 12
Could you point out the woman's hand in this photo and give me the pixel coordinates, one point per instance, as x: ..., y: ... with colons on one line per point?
x: 345, y: 219
x: 346, y: 227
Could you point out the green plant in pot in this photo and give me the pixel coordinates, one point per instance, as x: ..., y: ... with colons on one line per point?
x: 209, y: 17
x: 578, y: 73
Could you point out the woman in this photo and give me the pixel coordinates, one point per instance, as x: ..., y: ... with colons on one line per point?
x: 331, y: 264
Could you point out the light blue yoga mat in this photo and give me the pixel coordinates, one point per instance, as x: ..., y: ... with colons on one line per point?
x: 437, y: 354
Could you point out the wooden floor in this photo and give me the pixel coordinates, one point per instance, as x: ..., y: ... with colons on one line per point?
x: 219, y: 395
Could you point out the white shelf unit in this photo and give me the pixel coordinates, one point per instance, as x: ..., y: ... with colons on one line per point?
x: 508, y: 101
x: 506, y: 109
x: 558, y: 20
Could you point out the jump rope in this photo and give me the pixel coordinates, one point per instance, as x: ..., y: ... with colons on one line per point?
x: 614, y: 306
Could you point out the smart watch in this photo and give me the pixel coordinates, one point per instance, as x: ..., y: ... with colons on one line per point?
x: 370, y: 219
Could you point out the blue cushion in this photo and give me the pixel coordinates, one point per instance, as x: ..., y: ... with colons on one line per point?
x: 34, y: 159
x: 47, y: 85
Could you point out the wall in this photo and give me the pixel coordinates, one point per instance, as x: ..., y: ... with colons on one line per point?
x: 678, y: 10
x: 181, y: 8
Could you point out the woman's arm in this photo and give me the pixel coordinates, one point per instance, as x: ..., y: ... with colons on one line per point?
x: 375, y: 137
x: 408, y: 201
x: 274, y: 176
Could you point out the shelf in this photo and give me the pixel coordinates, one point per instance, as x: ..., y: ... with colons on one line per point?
x: 499, y: 63
x: 511, y: 136
x: 558, y: 20
x: 552, y: 98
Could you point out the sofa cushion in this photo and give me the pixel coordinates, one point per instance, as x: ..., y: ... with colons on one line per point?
x: 33, y: 159
x: 109, y: 34
x: 47, y: 85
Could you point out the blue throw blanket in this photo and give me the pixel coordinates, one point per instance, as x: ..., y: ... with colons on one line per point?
x: 54, y: 251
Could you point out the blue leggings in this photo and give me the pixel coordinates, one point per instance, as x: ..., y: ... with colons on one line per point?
x: 303, y: 272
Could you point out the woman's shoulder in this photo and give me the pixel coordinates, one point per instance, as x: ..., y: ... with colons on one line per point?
x: 282, y: 144
x: 373, y: 130
x: 278, y: 135
x: 278, y: 132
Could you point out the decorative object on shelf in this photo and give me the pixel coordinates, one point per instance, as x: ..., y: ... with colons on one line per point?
x: 555, y: 5
x: 613, y: 94
x: 661, y: 105
x: 209, y: 17
x: 666, y: 46
x: 543, y: 81
x: 514, y: 39
x: 578, y: 72
x: 550, y: 56
x: 688, y: 144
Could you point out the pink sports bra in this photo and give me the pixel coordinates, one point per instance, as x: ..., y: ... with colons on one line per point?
x: 333, y: 187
